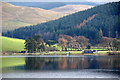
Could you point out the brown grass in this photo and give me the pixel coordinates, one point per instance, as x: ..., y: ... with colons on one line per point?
x: 69, y: 9
x: 23, y: 16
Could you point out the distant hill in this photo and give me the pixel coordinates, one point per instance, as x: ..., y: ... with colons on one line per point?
x: 50, y: 5
x: 17, y: 16
x: 90, y: 23
x: 68, y: 9
x: 12, y: 44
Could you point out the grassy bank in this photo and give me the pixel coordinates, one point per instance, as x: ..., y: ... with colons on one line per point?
x: 74, y: 53
x: 104, y: 53
x: 12, y: 44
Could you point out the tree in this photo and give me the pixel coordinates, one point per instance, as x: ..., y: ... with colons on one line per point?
x: 71, y: 42
x: 88, y: 46
x: 37, y: 38
x: 83, y: 41
x: 105, y: 42
x: 116, y: 44
x: 100, y: 35
x: 34, y: 44
x: 30, y: 45
x: 42, y: 47
x: 50, y: 42
x: 74, y: 44
x: 116, y: 34
x: 63, y: 43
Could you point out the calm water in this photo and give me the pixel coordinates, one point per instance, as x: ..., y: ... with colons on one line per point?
x: 65, y: 67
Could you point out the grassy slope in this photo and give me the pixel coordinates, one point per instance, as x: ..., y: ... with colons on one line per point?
x: 19, y: 16
x: 12, y: 44
x: 14, y: 24
x: 68, y: 9
x: 24, y: 16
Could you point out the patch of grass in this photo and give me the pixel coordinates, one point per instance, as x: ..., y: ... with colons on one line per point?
x: 99, y: 49
x: 64, y: 53
x: 12, y: 44
x: 58, y: 47
x: 102, y: 52
x: 10, y: 62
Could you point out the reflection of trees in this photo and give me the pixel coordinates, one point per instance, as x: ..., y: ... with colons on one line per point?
x: 84, y: 63
x: 62, y: 63
x: 109, y: 62
x: 74, y: 63
x: 34, y: 63
x: 93, y: 64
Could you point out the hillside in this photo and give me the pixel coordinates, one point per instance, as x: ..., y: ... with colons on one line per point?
x: 68, y: 9
x: 18, y: 16
x: 51, y: 5
x: 12, y: 44
x: 86, y: 23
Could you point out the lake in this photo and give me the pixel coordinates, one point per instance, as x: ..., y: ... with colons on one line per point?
x: 61, y: 67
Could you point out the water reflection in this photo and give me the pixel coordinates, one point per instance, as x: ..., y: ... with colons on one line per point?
x: 64, y: 67
x: 69, y: 63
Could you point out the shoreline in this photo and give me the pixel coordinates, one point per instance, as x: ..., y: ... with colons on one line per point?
x: 64, y: 53
x: 57, y: 56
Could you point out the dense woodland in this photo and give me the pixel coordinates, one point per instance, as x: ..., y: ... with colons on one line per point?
x: 68, y: 43
x: 91, y: 23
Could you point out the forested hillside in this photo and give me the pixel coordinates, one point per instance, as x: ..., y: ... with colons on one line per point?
x: 90, y: 23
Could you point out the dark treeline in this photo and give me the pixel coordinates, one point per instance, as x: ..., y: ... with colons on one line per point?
x: 86, y: 23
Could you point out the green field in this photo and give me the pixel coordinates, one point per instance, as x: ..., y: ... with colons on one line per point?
x: 12, y: 44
